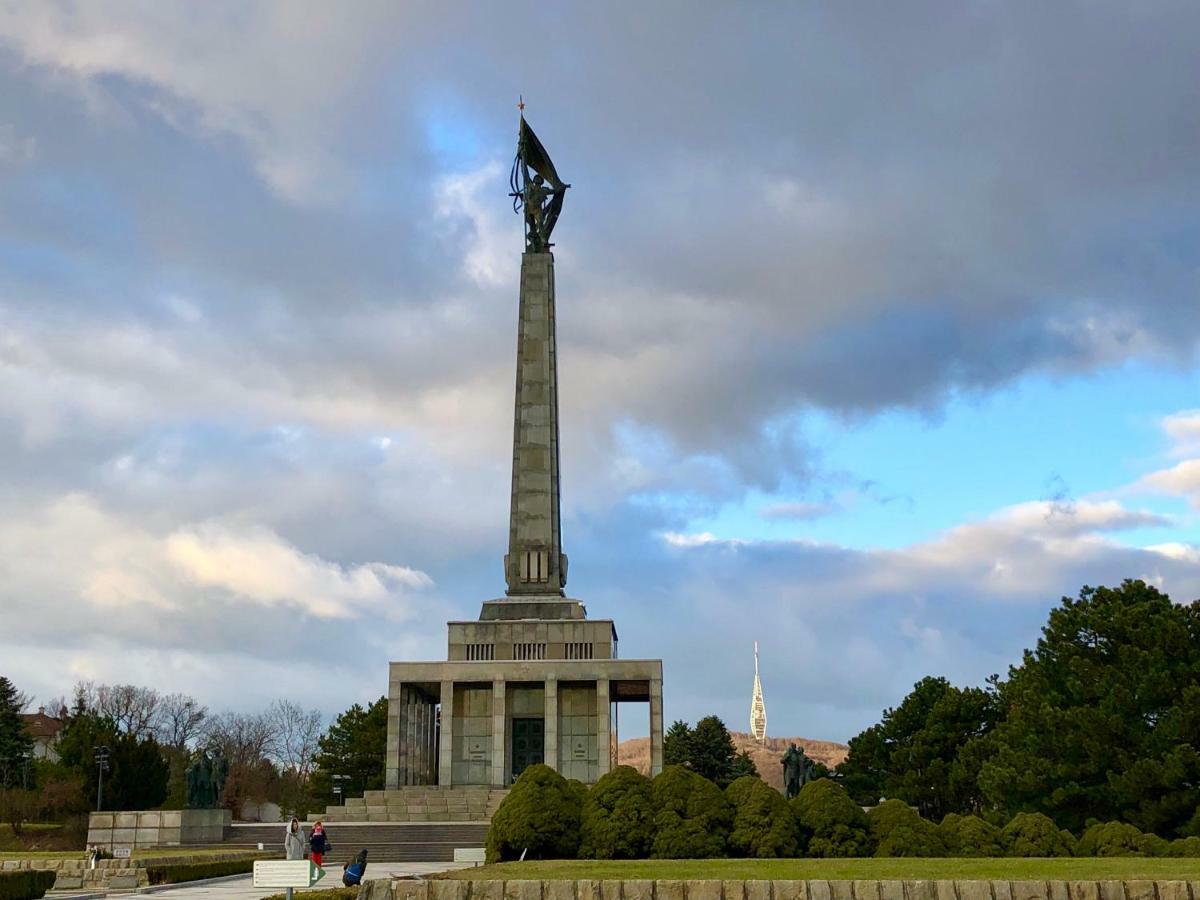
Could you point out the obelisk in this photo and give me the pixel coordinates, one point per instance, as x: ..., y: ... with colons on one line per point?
x: 535, y: 563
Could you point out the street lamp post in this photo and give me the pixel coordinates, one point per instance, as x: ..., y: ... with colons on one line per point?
x: 102, y: 754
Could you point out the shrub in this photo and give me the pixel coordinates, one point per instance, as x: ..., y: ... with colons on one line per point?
x: 579, y: 789
x: 1034, y: 834
x: 1119, y: 839
x: 830, y: 823
x: 692, y: 818
x: 27, y: 884
x: 540, y: 816
x: 177, y: 873
x: 618, y: 817
x: 898, y: 830
x: 763, y: 825
x: 1186, y: 847
x: 970, y: 836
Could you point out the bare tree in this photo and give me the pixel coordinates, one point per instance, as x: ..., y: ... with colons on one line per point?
x: 134, y: 709
x: 243, y: 738
x: 296, y: 732
x: 180, y: 720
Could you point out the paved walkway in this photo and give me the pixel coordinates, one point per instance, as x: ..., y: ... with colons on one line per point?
x: 244, y: 889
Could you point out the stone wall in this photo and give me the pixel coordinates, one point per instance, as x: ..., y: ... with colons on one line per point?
x: 577, y: 725
x: 157, y: 828
x: 462, y: 889
x: 471, y: 738
x: 114, y: 874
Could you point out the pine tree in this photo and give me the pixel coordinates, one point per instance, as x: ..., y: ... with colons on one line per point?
x: 15, y: 743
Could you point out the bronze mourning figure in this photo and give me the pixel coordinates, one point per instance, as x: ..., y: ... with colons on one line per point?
x: 797, y: 771
x: 536, y: 189
x: 206, y: 780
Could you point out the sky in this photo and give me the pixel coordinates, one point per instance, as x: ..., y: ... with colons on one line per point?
x: 878, y: 330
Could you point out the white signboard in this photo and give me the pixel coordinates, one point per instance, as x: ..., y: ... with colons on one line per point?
x: 286, y: 873
x: 122, y: 853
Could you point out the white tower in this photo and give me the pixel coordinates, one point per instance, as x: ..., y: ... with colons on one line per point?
x: 758, y: 709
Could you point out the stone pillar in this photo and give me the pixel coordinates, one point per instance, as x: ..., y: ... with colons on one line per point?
x: 535, y: 563
x: 422, y: 744
x: 550, y: 735
x: 446, y: 737
x: 499, y: 735
x: 656, y: 727
x: 603, y: 728
x: 392, y: 773
x: 410, y: 737
x: 431, y: 762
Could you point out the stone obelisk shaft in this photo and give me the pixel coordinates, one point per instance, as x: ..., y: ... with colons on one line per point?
x: 535, y: 563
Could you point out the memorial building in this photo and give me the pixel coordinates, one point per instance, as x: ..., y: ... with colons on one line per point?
x: 533, y: 679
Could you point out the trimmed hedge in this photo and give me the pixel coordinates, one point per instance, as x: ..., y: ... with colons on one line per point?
x: 177, y: 873
x: 1034, y: 834
x: 898, y: 830
x: 692, y: 817
x: 1185, y: 847
x: 831, y: 824
x: 970, y: 836
x: 618, y: 817
x: 27, y: 884
x: 540, y: 816
x: 1110, y: 839
x: 763, y: 824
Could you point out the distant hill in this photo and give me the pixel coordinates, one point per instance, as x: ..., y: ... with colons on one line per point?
x: 767, y: 757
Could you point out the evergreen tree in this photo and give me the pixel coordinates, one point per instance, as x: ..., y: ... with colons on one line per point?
x: 354, y: 746
x: 82, y: 734
x: 1102, y: 718
x: 677, y: 744
x: 916, y: 753
x: 743, y: 765
x: 139, y: 774
x: 15, y: 743
x: 711, y: 752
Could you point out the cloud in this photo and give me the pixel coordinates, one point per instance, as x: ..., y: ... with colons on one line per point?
x: 256, y: 565
x: 1181, y: 479
x: 799, y: 511
x: 257, y: 318
x: 75, y: 574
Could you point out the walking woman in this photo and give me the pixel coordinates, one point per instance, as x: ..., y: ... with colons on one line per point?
x: 293, y: 841
x: 318, y: 843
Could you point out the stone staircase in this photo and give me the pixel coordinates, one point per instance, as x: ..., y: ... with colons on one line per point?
x: 420, y: 804
x: 384, y: 842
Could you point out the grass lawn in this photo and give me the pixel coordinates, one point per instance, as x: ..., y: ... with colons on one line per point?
x: 341, y: 893
x: 1074, y: 869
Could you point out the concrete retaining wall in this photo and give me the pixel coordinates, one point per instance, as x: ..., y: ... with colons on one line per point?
x: 454, y: 889
x: 157, y: 828
x: 76, y: 874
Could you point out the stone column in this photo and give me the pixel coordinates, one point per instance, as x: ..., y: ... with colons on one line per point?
x: 423, y: 739
x: 603, y: 727
x: 550, y: 735
x: 499, y: 735
x: 392, y: 773
x: 446, y: 737
x: 411, y: 758
x: 656, y: 727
